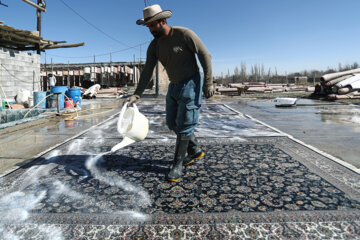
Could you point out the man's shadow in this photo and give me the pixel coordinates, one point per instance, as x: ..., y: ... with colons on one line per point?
x: 77, y: 167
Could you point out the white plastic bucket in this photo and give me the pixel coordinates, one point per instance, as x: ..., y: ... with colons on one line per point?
x: 132, y: 126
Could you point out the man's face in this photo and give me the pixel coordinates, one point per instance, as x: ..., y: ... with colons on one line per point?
x: 156, y: 28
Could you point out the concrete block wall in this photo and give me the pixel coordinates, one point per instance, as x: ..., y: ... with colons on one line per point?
x: 18, y: 70
x: 163, y: 77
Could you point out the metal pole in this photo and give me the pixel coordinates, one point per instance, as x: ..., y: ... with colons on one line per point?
x: 157, y: 80
x: 57, y: 98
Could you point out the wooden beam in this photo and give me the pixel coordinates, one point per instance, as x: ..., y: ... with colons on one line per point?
x: 7, y: 41
x: 25, y: 48
x: 21, y: 38
x: 64, y: 46
x: 35, y: 5
x: 20, y: 32
x: 56, y: 42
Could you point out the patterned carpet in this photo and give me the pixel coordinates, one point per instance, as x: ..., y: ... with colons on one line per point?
x: 253, y: 183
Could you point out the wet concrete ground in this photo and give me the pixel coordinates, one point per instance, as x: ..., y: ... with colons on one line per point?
x: 19, y: 144
x: 332, y: 127
x: 254, y: 182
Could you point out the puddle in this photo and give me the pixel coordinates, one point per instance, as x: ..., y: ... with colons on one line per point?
x: 329, y: 126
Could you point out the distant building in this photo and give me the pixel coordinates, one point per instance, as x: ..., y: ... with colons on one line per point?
x: 302, y: 80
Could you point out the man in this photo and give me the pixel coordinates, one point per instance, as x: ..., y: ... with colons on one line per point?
x: 175, y: 48
x: 52, y: 80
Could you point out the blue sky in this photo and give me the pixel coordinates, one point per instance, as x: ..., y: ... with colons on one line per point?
x: 289, y: 35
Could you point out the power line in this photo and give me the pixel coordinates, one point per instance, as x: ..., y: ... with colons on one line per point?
x: 94, y: 25
x: 101, y: 54
x: 3, y: 4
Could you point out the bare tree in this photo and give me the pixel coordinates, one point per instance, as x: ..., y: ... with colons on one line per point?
x: 236, y: 71
x: 243, y: 71
x: 355, y: 65
x: 339, y: 67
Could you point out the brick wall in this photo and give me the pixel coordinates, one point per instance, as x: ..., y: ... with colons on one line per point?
x: 18, y: 70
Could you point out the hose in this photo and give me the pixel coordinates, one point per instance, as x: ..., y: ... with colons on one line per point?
x: 44, y: 99
x: 76, y: 111
x: 37, y: 104
x: 85, y: 116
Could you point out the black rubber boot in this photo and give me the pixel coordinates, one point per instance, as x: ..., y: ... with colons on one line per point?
x: 194, y: 151
x: 176, y: 170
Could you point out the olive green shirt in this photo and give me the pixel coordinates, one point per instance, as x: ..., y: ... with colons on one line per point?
x: 177, y: 54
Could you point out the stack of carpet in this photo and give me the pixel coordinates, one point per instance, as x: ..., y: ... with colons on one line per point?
x: 341, y: 85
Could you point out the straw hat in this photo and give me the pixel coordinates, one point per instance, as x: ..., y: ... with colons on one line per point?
x: 153, y: 13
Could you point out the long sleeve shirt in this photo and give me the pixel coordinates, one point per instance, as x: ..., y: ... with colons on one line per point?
x: 177, y: 54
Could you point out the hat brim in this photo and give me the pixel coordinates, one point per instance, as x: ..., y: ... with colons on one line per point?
x: 160, y: 15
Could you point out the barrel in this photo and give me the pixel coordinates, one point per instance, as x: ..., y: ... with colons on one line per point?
x: 75, y: 95
x: 38, y: 96
x: 53, y: 98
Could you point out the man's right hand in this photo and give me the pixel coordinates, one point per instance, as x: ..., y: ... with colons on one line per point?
x: 132, y: 99
x: 208, y: 91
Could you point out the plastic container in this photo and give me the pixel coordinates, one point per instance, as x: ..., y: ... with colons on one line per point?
x: 132, y: 125
x: 69, y: 104
x: 38, y: 96
x: 53, y: 98
x: 75, y: 95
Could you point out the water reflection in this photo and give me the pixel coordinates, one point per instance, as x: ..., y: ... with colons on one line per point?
x: 332, y: 127
x: 346, y: 115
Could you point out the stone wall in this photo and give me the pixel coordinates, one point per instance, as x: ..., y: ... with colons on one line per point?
x: 18, y: 70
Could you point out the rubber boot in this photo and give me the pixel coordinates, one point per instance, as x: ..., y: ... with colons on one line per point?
x: 194, y: 151
x: 176, y: 170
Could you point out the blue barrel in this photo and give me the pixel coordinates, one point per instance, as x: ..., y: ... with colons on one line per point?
x: 38, y: 96
x: 75, y: 95
x: 53, y: 98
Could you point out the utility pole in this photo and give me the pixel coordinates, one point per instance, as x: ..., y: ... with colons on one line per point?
x: 68, y: 76
x: 108, y: 81
x: 40, y: 6
x: 38, y: 28
x: 52, y: 72
x: 110, y: 56
x: 43, y: 83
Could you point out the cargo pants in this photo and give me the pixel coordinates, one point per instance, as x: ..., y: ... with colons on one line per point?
x: 183, y: 102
